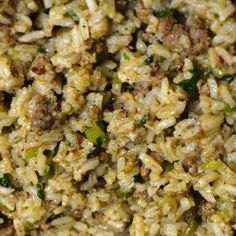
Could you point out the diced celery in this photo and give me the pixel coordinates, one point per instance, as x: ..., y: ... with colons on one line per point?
x: 93, y: 133
x: 33, y: 152
x: 122, y: 193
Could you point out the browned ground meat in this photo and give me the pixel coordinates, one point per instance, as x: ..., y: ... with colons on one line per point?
x: 43, y: 115
x: 7, y: 230
x: 171, y: 32
x: 5, y: 35
x: 198, y: 34
x: 142, y: 12
x: 203, y: 87
x: 41, y: 65
x: 93, y: 112
x: 206, y: 209
x: 121, y: 5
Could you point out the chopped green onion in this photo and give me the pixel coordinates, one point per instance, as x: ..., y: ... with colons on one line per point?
x: 126, y: 56
x: 33, y: 152
x: 143, y: 120
x: 102, y: 124
x: 138, y: 179
x: 213, y: 164
x: 228, y: 108
x: 168, y: 166
x: 40, y: 192
x: 123, y: 193
x: 71, y: 13
x: 190, y: 85
x: 5, y: 182
x: 192, y: 226
x: 94, y: 133
x: 163, y: 13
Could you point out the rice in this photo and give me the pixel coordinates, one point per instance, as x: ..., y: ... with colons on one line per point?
x: 117, y: 117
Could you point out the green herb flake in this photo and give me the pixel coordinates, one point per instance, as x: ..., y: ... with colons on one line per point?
x: 71, y: 13
x: 168, y: 166
x: 190, y: 85
x: 102, y: 124
x: 138, y: 179
x: 126, y: 56
x: 228, y: 108
x: 121, y: 193
x: 40, y: 191
x: 163, y: 13
x: 143, y: 120
x: 5, y: 182
x: 33, y: 152
x: 41, y: 50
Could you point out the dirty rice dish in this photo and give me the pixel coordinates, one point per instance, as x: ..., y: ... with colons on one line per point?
x: 117, y: 118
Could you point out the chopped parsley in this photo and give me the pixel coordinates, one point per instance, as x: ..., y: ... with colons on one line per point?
x: 40, y: 191
x: 5, y: 182
x: 102, y: 124
x: 228, y: 108
x: 143, y: 120
x: 190, y: 85
x: 163, y: 13
x: 138, y: 179
x: 72, y: 13
x: 168, y: 166
x: 41, y: 50
x: 126, y: 56
x: 122, y: 193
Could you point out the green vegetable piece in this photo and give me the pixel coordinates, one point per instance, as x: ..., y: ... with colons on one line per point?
x: 93, y: 133
x: 228, y: 108
x: 102, y: 124
x: 116, y: 77
x: 191, y: 228
x: 190, y: 85
x: 138, y: 179
x: 123, y: 193
x: 213, y: 164
x: 168, y: 166
x: 126, y: 56
x: 5, y: 182
x: 33, y: 152
x: 40, y: 192
x: 72, y: 13
x: 143, y: 120
x: 41, y: 50
x: 163, y: 13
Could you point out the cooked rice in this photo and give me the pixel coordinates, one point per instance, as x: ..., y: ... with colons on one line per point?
x: 117, y: 117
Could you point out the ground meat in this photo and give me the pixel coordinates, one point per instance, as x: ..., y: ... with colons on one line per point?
x: 7, y: 230
x: 142, y: 12
x: 203, y: 88
x: 93, y: 112
x: 205, y: 210
x: 5, y: 34
x: 193, y: 159
x: 172, y: 32
x: 43, y: 115
x: 198, y: 35
x: 121, y: 5
x: 41, y: 65
x: 177, y: 64
x: 87, y: 58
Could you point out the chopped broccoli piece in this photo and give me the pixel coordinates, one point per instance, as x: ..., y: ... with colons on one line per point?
x: 138, y: 179
x: 163, y: 13
x: 5, y: 182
